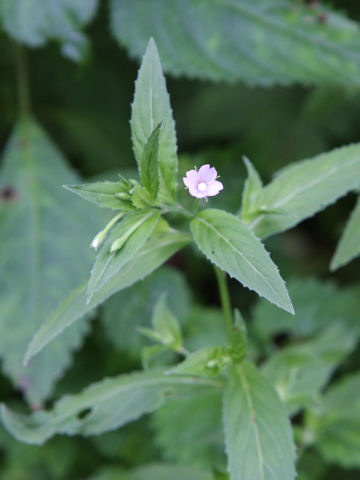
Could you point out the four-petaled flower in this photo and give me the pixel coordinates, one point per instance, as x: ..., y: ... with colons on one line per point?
x: 203, y: 183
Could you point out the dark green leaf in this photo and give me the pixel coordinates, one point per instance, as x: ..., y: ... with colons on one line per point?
x: 149, y: 163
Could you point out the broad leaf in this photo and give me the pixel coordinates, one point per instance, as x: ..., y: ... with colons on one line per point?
x: 151, y: 106
x: 299, y: 372
x: 131, y: 309
x: 156, y: 251
x: 258, y: 436
x: 306, y: 187
x: 262, y: 42
x: 125, y: 240
x: 105, y: 194
x: 228, y: 243
x: 337, y: 427
x: 349, y: 245
x: 200, y: 437
x: 44, y: 238
x: 149, y: 163
x: 101, y: 407
x: 34, y: 22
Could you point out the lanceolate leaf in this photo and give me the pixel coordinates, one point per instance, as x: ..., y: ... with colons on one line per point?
x: 34, y: 22
x: 156, y: 251
x: 306, y: 187
x: 258, y: 436
x: 228, y: 243
x: 151, y: 106
x: 44, y: 237
x: 105, y: 194
x: 130, y: 233
x: 349, y: 245
x: 262, y: 42
x: 101, y: 407
x: 149, y: 164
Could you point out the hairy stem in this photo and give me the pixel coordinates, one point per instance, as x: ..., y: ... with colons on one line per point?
x: 225, y: 301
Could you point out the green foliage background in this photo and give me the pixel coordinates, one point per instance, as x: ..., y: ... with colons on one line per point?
x: 85, y: 109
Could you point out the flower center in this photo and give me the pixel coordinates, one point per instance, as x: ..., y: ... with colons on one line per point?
x: 202, y: 187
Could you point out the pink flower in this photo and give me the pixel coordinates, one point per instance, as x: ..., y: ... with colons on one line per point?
x: 203, y: 183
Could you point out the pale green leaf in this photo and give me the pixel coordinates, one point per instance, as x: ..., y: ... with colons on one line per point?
x: 258, y: 436
x: 252, y: 188
x: 207, y: 362
x: 299, y: 372
x: 149, y: 163
x: 45, y: 236
x: 200, y: 437
x: 101, y: 407
x: 34, y: 22
x: 262, y: 42
x: 151, y: 106
x: 156, y: 251
x: 349, y: 245
x: 304, y: 188
x: 337, y: 427
x: 125, y: 240
x: 156, y: 471
x: 228, y: 243
x: 105, y: 194
x: 131, y: 309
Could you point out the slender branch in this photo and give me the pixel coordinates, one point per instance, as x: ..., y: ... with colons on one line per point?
x: 22, y: 80
x: 225, y: 301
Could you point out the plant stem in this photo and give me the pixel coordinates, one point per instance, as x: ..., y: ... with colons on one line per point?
x: 225, y: 301
x: 22, y: 80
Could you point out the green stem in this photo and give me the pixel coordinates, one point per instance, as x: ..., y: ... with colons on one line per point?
x: 225, y: 301
x: 22, y: 80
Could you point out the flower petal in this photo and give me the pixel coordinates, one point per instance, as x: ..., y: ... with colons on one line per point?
x: 207, y: 175
x: 214, y: 188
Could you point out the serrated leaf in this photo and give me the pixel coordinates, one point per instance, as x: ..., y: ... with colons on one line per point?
x: 252, y: 188
x: 228, y: 243
x: 337, y: 427
x: 263, y: 42
x: 200, y: 437
x: 101, y: 407
x: 125, y: 240
x: 151, y: 106
x: 129, y: 310
x: 156, y: 251
x: 149, y: 163
x: 43, y: 238
x: 349, y: 245
x: 258, y: 436
x: 299, y: 372
x: 34, y: 22
x: 105, y: 194
x: 306, y: 187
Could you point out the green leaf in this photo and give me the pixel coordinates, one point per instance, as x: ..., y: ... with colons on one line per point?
x: 157, y: 250
x: 113, y: 195
x: 204, y: 327
x: 151, y: 106
x: 207, y: 362
x: 125, y: 240
x: 101, y: 407
x: 258, y: 436
x: 252, y: 189
x: 149, y: 164
x: 228, y: 243
x: 128, y: 311
x: 34, y: 22
x: 154, y: 472
x: 317, y: 305
x: 349, y: 245
x: 200, y: 437
x: 44, y: 241
x: 263, y: 42
x: 306, y: 187
x: 166, y: 329
x: 299, y: 372
x: 337, y: 427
